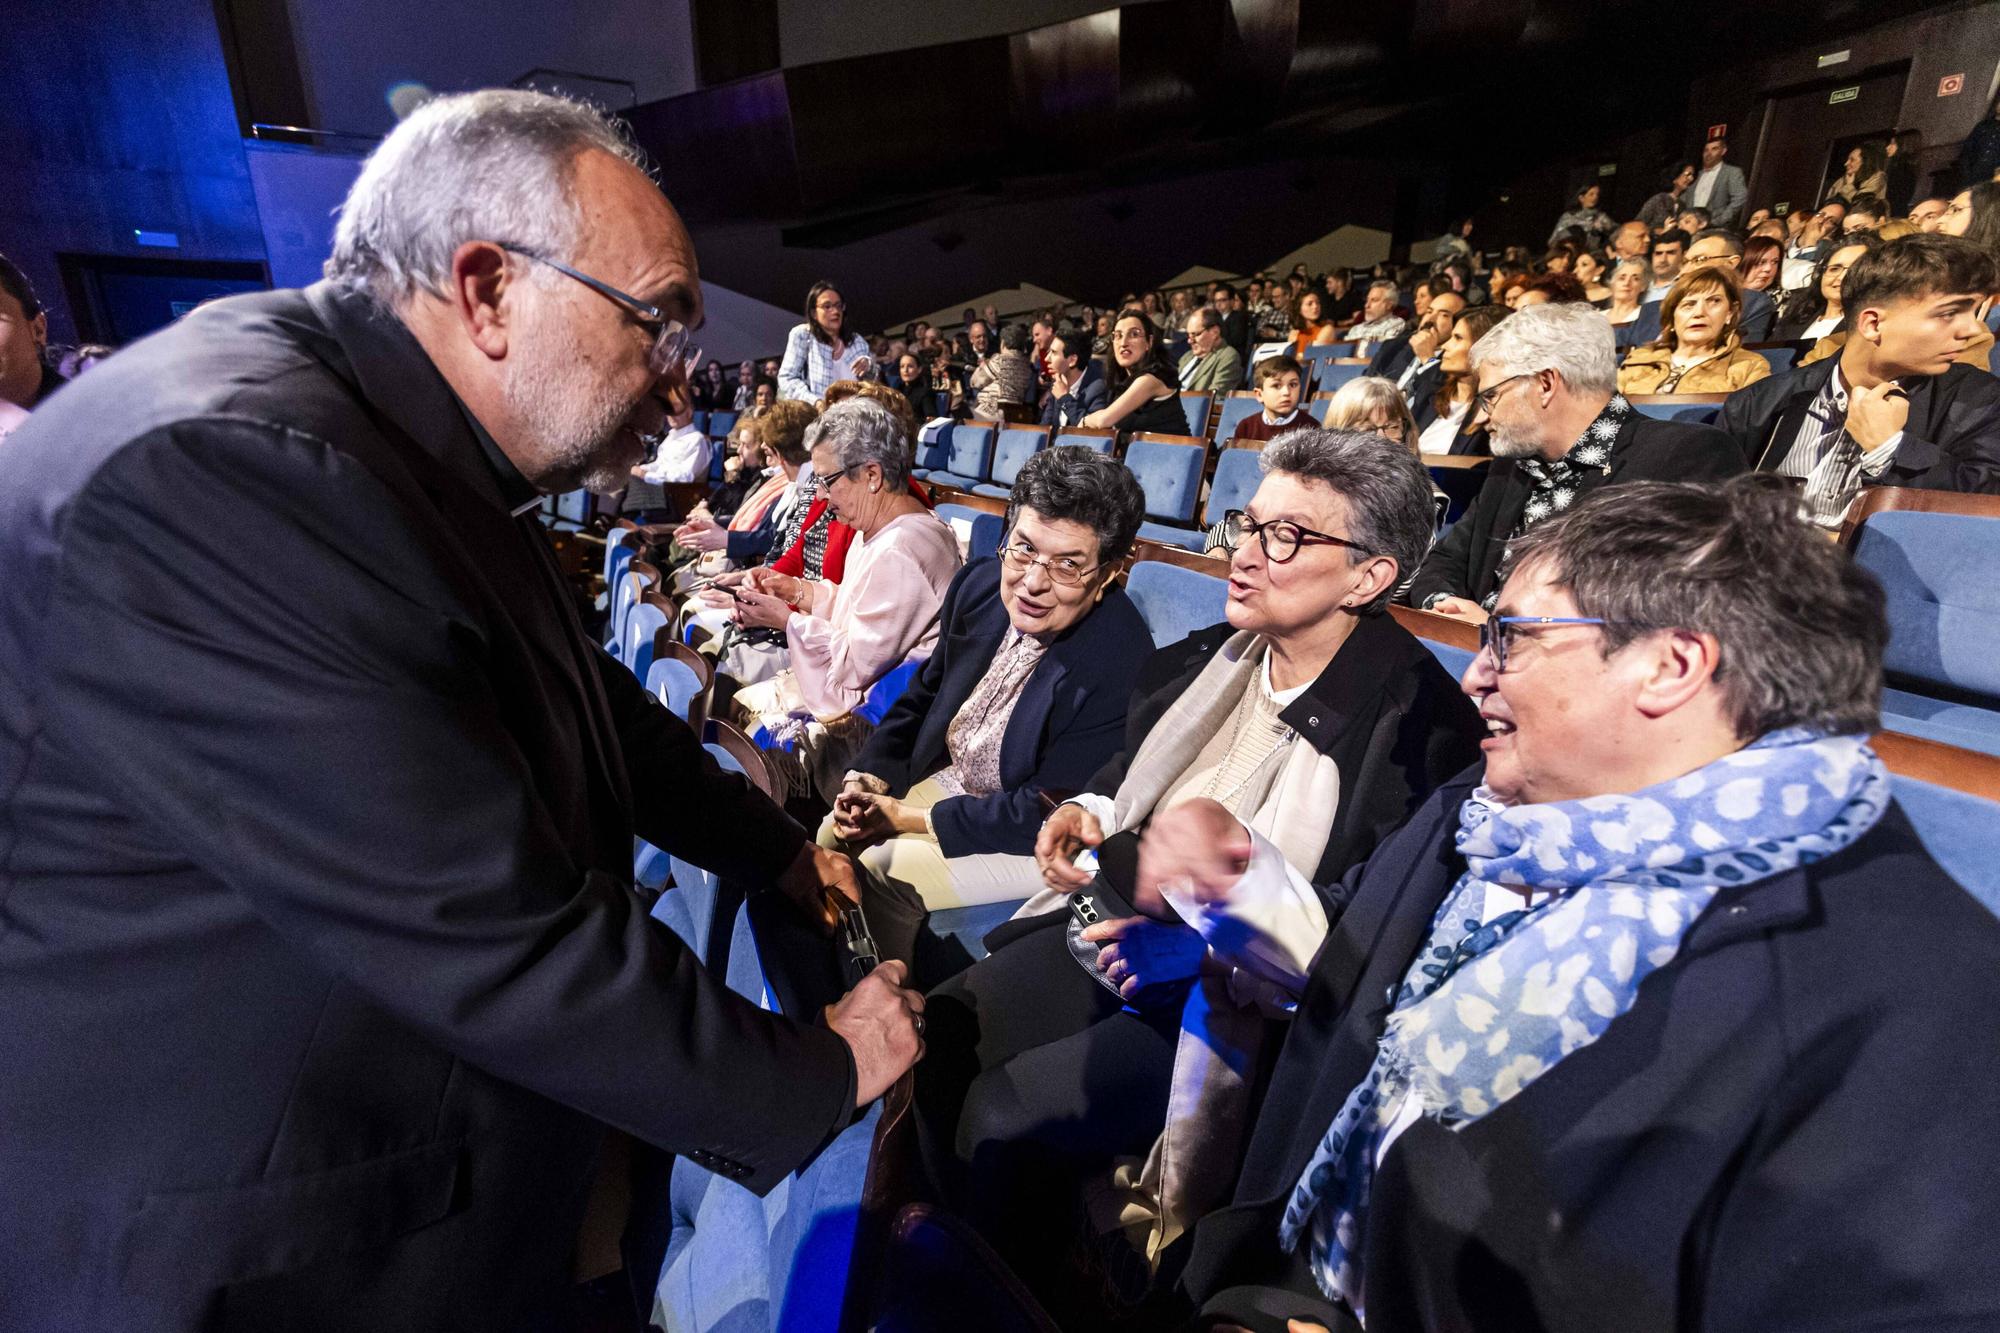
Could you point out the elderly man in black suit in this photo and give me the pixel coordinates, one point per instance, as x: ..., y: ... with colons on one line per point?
x: 322, y: 971
x: 1559, y: 430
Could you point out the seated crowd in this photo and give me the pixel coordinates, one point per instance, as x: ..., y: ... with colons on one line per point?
x: 1603, y: 987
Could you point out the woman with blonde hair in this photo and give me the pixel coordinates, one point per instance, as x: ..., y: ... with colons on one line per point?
x: 1700, y: 348
x: 1373, y: 404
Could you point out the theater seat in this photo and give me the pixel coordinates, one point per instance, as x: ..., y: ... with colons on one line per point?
x: 1701, y: 408
x: 1237, y: 408
x: 1333, y: 374
x: 1012, y: 449
x: 968, y: 456
x: 1090, y: 437
x: 1936, y: 567
x: 736, y: 1263
x: 1237, y: 473
x: 1175, y: 602
x: 1195, y: 406
x: 1169, y: 471
x: 1960, y: 830
x: 642, y: 623
x: 933, y: 449
x: 978, y: 531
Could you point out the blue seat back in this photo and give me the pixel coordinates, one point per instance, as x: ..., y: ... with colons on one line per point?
x: 1196, y: 406
x: 1943, y: 599
x: 721, y: 423
x: 1315, y: 357
x: 1175, y: 602
x: 700, y: 423
x: 675, y: 684
x: 1781, y: 358
x: 980, y: 530
x: 1237, y: 472
x: 625, y: 595
x: 934, y: 448
x: 882, y: 695
x: 971, y: 450
x: 1454, y: 660
x: 1101, y: 444
x: 1012, y: 449
x: 1960, y: 830
x: 1331, y: 377
x: 1235, y: 411
x: 620, y: 545
x: 1169, y: 474
x: 642, y: 622
x: 1702, y: 414
x: 1321, y: 404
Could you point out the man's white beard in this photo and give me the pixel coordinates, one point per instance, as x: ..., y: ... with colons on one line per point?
x: 577, y: 430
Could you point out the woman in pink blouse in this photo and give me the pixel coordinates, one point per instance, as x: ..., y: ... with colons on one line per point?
x: 842, y: 638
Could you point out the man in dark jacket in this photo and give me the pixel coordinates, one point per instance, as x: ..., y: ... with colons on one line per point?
x: 1558, y: 431
x: 1076, y: 386
x: 1749, y: 1111
x: 321, y: 969
x: 1413, y: 360
x: 1895, y: 408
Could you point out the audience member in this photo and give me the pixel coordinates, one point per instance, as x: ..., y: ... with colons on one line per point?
x: 1411, y: 359
x: 1375, y: 405
x: 1633, y: 240
x: 1379, y: 320
x: 1974, y: 214
x: 1865, y: 212
x: 1308, y: 326
x: 1280, y: 387
x: 1053, y: 1058
x: 1008, y: 376
x: 1718, y: 186
x: 1144, y: 392
x: 1630, y: 281
x: 1456, y: 243
x: 820, y: 350
x: 1586, y: 217
x: 1717, y: 248
x: 1700, y: 347
x: 1895, y: 408
x: 1979, y: 155
x: 1076, y: 387
x: 1543, y: 288
x: 1664, y: 207
x: 1037, y: 655
x: 1693, y: 221
x: 1450, y: 426
x: 1400, y: 1140
x: 712, y: 392
x: 1926, y: 214
x: 1759, y: 267
x: 1862, y: 174
x: 1039, y: 333
x: 1558, y: 430
x: 1589, y: 269
x: 1342, y: 301
x: 743, y: 536
x: 1669, y: 250
x: 26, y: 377
x: 1899, y: 153
x: 1235, y: 322
x: 1811, y: 313
x: 245, y: 717
x: 843, y: 637
x: 1211, y: 364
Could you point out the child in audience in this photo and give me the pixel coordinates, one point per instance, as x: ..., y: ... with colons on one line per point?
x: 1280, y: 383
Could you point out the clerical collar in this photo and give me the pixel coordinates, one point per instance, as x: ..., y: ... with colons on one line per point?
x: 516, y: 491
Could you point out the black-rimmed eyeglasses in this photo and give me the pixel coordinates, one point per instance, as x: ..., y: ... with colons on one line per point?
x: 673, y: 345
x: 1281, y: 538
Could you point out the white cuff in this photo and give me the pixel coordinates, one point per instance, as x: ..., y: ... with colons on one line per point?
x: 1272, y: 923
x: 1101, y: 807
x: 1875, y: 462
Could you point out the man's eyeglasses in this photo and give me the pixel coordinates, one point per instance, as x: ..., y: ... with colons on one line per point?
x: 1499, y: 634
x: 1280, y: 538
x: 672, y: 346
x: 1068, y: 572
x: 1483, y: 400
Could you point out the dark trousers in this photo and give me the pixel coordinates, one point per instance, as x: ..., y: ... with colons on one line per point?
x: 1035, y: 1078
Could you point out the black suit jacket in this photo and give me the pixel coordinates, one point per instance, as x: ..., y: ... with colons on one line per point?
x: 1392, y: 358
x: 1067, y: 723
x: 321, y: 970
x: 1952, y: 441
x: 1780, y: 1134
x: 1467, y: 562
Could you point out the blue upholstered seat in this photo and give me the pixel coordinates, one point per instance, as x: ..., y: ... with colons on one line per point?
x: 642, y: 622
x: 1101, y: 443
x: 1170, y: 476
x: 675, y: 684
x: 1960, y: 830
x: 1196, y: 406
x: 1237, y: 472
x: 1175, y: 602
x: 1235, y: 411
x: 980, y: 531
x: 933, y: 449
x: 1012, y: 449
x: 968, y: 455
x: 1331, y: 377
x: 1943, y: 658
x: 1703, y: 414
x: 720, y: 424
x: 1781, y: 358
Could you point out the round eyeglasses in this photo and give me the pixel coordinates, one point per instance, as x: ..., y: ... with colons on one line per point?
x: 1067, y: 571
x: 1281, y: 538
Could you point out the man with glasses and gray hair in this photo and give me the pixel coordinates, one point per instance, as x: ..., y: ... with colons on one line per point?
x: 1558, y: 429
x: 325, y: 973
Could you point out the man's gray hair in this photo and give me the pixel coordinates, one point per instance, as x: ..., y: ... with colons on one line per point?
x: 1387, y: 490
x: 1568, y: 337
x: 859, y: 432
x: 493, y: 165
x: 1385, y: 285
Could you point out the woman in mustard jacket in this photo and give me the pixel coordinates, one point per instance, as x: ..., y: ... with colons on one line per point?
x: 1698, y: 350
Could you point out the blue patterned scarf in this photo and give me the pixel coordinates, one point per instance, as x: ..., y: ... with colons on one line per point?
x: 1489, y: 1007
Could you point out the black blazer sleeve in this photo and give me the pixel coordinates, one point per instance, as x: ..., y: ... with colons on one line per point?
x: 1447, y: 570
x: 1959, y: 449
x: 298, y: 701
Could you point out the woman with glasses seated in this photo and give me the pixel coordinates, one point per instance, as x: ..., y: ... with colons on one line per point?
x: 1311, y: 715
x: 1023, y: 699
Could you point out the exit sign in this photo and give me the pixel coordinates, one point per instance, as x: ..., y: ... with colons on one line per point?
x: 1839, y: 95
x: 1718, y: 131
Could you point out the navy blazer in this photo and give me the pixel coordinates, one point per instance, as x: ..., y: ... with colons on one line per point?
x: 321, y: 968
x: 1787, y: 1130
x: 1068, y: 722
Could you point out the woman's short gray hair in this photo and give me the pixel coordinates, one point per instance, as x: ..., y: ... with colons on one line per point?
x: 1387, y: 490
x: 861, y: 432
x: 1645, y: 269
x: 1075, y: 484
x: 493, y: 165
x: 1568, y: 337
